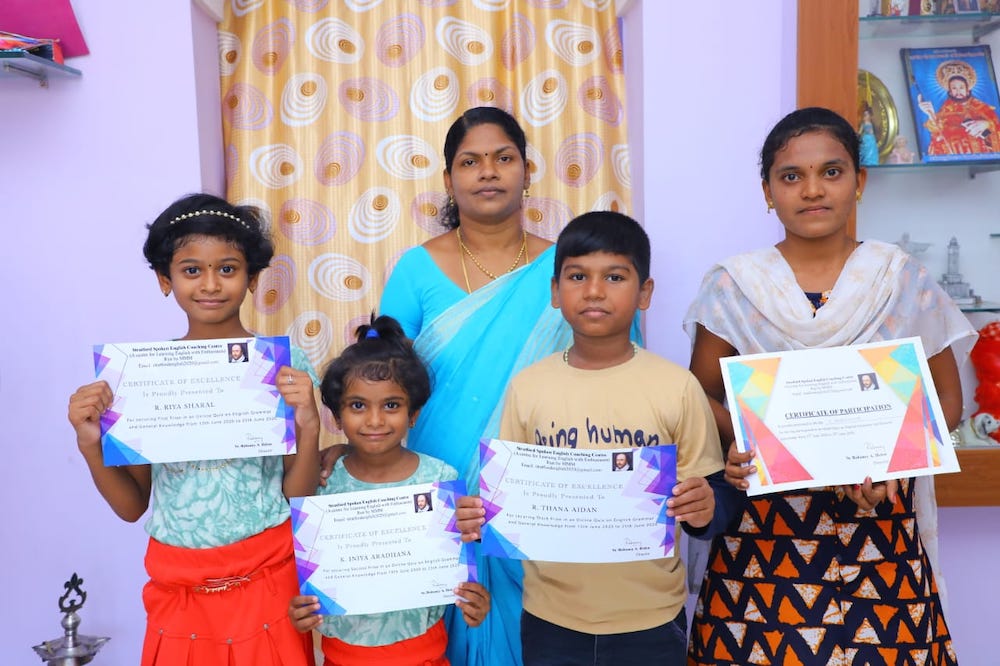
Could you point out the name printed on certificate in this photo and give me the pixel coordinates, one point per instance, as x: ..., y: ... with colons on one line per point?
x: 194, y: 400
x: 577, y: 505
x: 375, y: 551
x: 834, y: 416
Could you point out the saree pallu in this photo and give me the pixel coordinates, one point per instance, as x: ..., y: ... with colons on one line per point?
x: 425, y: 650
x: 473, y: 349
x: 226, y: 605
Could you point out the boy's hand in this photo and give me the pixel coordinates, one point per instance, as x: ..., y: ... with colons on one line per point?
x: 693, y: 502
x: 737, y: 469
x: 296, y: 387
x: 470, y: 516
x: 302, y: 613
x: 868, y: 495
x: 474, y: 602
x: 85, y: 409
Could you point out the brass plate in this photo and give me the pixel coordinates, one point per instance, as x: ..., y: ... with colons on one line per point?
x: 872, y: 92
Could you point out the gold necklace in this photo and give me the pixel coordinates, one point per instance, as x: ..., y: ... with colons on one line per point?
x: 486, y: 271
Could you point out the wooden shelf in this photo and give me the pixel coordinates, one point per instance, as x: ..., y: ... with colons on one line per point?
x: 978, y: 484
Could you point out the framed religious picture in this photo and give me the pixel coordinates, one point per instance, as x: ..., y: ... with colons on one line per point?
x: 954, y: 100
x: 967, y: 7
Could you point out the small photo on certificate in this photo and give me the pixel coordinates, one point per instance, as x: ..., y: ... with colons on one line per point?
x: 836, y: 416
x: 179, y: 401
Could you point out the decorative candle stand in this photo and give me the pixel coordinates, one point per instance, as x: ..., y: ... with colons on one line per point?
x: 71, y: 649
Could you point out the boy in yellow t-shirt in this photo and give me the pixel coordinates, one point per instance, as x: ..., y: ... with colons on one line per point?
x: 617, y: 613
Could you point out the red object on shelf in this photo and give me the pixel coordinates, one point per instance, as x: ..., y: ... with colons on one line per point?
x: 45, y: 19
x: 985, y: 359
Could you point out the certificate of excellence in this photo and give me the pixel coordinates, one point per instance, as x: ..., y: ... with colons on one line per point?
x: 194, y: 400
x: 822, y: 417
x: 375, y: 551
x: 576, y: 505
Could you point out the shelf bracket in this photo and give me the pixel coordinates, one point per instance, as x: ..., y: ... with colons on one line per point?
x: 41, y: 77
x: 981, y: 30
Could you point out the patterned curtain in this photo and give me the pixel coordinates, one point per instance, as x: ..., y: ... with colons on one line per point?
x: 334, y: 118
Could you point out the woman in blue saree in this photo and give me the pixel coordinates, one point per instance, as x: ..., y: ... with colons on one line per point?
x: 477, y: 302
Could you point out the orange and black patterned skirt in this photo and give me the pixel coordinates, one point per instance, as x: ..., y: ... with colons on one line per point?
x: 804, y: 577
x: 225, y: 606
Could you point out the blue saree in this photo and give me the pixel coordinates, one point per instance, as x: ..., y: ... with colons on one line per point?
x: 472, y: 349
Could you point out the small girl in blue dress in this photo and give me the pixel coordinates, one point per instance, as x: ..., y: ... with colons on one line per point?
x: 375, y: 390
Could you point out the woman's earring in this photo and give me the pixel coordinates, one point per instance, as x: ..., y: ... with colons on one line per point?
x: 525, y: 194
x: 166, y: 293
x: 451, y: 200
x: 859, y: 196
x: 770, y: 206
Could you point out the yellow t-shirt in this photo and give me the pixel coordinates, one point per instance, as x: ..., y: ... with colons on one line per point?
x: 643, y: 402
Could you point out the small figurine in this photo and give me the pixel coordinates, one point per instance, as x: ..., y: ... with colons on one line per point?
x: 901, y: 153
x: 911, y: 247
x: 869, y: 144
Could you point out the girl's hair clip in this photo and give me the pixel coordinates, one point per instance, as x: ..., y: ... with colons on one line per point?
x: 371, y: 333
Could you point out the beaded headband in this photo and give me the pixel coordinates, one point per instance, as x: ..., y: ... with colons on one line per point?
x: 218, y: 213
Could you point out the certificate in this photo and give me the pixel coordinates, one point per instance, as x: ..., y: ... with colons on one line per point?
x: 375, y: 551
x: 822, y: 417
x: 576, y: 505
x: 194, y: 400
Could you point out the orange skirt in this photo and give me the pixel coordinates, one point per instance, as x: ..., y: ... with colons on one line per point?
x: 425, y: 650
x: 225, y: 606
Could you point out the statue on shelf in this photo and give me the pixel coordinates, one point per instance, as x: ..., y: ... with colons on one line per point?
x: 901, y: 153
x: 869, y: 144
x: 951, y: 281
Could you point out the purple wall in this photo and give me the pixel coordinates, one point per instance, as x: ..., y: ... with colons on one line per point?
x: 88, y: 162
